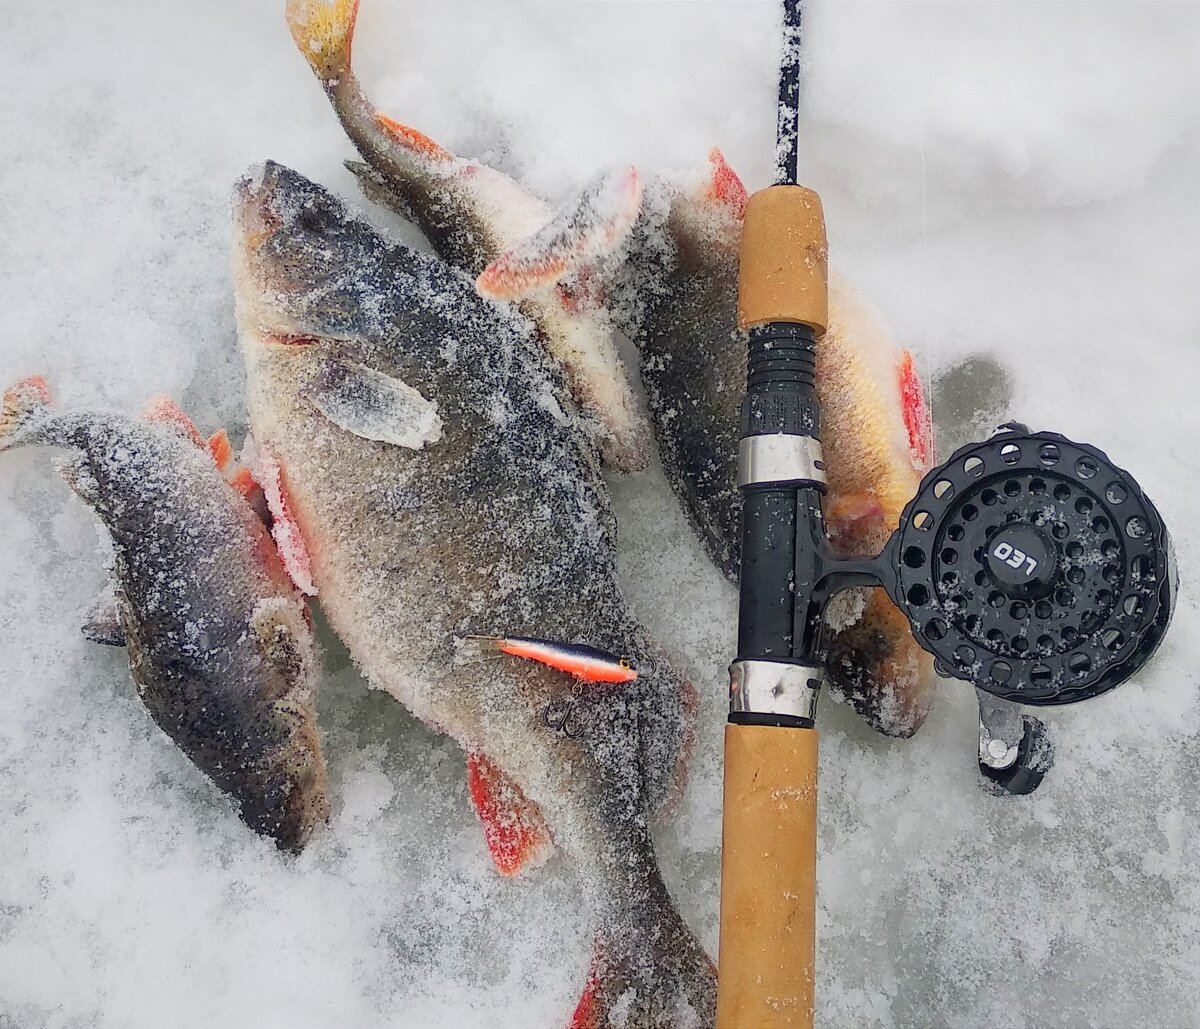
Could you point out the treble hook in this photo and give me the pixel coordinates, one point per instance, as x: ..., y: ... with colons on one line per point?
x: 563, y: 723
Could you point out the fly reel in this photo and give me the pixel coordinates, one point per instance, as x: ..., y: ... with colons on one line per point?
x: 1035, y: 568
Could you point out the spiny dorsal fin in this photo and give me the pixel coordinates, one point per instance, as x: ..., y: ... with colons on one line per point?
x: 23, y: 402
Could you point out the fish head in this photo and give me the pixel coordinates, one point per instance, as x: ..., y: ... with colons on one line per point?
x: 302, y: 262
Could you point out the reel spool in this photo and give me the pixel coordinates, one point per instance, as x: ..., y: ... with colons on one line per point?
x: 1035, y: 568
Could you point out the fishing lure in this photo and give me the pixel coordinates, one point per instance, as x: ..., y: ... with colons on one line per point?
x: 584, y: 662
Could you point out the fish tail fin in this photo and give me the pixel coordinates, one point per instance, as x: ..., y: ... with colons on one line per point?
x: 647, y: 968
x: 324, y: 31
x: 26, y: 405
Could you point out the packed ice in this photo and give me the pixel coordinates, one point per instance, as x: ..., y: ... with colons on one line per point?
x: 1011, y: 186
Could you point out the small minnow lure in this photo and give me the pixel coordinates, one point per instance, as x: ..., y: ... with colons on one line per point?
x: 589, y: 663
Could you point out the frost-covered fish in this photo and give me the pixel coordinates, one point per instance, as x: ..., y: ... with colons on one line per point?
x: 472, y: 214
x: 678, y: 302
x: 218, y: 642
x: 432, y: 465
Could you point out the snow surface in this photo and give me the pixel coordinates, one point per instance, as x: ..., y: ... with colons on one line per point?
x: 1010, y: 179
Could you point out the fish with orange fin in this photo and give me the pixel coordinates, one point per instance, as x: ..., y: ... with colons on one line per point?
x: 445, y: 491
x: 473, y: 214
x: 677, y: 300
x: 219, y: 643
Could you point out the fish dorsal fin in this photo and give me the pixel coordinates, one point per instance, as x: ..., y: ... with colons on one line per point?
x: 725, y: 186
x: 375, y: 406
x: 162, y: 410
x: 284, y: 637
x: 285, y: 530
x: 23, y: 403
x: 102, y: 624
x: 516, y: 833
x: 587, y: 228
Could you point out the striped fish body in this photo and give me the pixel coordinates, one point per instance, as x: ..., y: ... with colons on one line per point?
x: 219, y: 648
x: 493, y: 519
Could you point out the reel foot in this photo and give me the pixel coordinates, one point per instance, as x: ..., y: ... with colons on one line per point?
x: 1021, y: 773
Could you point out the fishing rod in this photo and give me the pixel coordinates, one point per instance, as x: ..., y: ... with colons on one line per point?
x: 1028, y: 565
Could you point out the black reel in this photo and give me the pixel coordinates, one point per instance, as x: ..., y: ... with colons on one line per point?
x: 1035, y: 568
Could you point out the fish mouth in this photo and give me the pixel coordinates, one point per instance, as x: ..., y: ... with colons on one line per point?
x: 289, y: 339
x: 255, y: 215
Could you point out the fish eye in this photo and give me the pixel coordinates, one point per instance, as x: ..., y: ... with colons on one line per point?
x: 314, y: 220
x: 624, y: 663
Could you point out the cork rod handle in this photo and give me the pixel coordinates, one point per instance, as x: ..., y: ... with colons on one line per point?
x: 768, y: 878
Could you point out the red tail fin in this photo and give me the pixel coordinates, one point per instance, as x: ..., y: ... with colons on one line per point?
x: 647, y: 970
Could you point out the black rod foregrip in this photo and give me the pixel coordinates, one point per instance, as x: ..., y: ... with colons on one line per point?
x: 781, y: 399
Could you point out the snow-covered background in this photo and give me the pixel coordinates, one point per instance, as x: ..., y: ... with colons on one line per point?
x: 1019, y: 180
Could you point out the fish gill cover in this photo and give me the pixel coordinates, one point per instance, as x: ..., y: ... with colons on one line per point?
x: 1056, y: 152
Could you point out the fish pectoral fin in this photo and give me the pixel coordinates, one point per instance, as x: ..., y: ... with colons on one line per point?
x: 23, y: 403
x: 592, y: 225
x: 513, y: 826
x: 375, y: 406
x: 852, y: 514
x: 284, y: 637
x: 102, y: 624
x: 237, y: 474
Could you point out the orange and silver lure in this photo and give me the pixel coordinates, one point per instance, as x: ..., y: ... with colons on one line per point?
x: 588, y: 663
